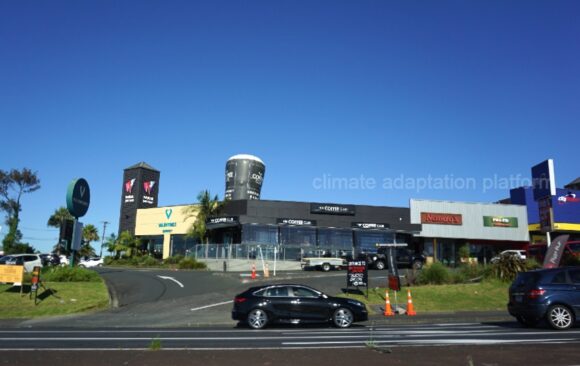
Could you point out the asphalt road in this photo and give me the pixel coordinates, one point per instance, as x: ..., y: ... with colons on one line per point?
x: 283, y: 337
x: 164, y: 298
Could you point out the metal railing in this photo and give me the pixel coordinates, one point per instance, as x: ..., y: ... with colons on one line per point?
x: 268, y: 252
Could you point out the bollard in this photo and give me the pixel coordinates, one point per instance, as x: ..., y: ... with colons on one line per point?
x: 225, y: 266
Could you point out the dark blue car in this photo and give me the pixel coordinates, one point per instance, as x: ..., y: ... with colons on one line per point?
x: 550, y: 294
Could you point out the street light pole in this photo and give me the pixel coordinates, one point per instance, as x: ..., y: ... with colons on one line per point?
x: 105, y: 223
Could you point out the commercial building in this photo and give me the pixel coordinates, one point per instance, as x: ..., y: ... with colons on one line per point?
x: 486, y: 228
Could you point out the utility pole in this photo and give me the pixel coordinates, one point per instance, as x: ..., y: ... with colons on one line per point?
x: 105, y: 223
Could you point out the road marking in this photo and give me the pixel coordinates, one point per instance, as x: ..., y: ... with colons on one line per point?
x: 171, y: 279
x: 212, y: 305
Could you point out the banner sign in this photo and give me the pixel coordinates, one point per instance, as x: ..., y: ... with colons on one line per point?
x: 357, y: 274
x: 543, y: 180
x: 332, y: 209
x: 441, y: 218
x: 296, y: 222
x: 500, y: 221
x: 555, y: 250
x: 221, y: 220
x: 370, y: 225
x: 546, y: 214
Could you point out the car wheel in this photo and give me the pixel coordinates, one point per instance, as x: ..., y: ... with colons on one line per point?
x: 380, y: 265
x: 417, y: 264
x: 257, y: 319
x: 326, y: 267
x: 526, y: 322
x: 342, y: 318
x: 560, y: 317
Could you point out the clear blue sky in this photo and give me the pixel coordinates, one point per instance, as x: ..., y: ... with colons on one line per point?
x: 384, y: 89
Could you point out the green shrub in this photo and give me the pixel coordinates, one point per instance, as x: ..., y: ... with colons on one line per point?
x: 435, y: 274
x: 507, y: 267
x: 147, y: 261
x: 68, y: 274
x: 190, y: 263
x: 174, y: 260
x: 532, y: 263
x: 570, y: 260
x: 468, y: 273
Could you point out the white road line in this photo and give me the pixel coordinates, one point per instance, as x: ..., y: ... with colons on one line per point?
x: 171, y: 279
x: 438, y: 341
x: 212, y: 305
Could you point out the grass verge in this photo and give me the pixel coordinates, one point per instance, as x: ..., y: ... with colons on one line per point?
x: 64, y: 298
x: 483, y: 296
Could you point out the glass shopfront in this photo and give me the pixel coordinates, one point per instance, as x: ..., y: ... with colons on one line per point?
x: 366, y: 241
x: 259, y: 234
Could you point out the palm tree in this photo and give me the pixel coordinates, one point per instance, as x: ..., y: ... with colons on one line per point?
x: 110, y: 243
x: 90, y: 233
x: 127, y: 244
x: 206, y: 207
x: 59, y: 216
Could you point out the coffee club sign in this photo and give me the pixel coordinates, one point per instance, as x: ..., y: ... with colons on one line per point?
x: 441, y: 218
x: 500, y: 221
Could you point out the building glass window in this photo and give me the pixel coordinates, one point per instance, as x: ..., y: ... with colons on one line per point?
x: 335, y: 242
x: 298, y: 235
x: 259, y: 234
x: 366, y: 241
x: 182, y: 245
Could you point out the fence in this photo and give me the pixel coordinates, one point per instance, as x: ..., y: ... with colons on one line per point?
x: 268, y: 252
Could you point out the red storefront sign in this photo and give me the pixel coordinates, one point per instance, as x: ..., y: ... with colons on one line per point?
x: 441, y: 218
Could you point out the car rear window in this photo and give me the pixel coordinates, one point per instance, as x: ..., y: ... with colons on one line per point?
x: 526, y: 279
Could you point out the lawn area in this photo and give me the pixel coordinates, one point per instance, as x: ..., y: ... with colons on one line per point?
x: 487, y: 295
x: 73, y: 297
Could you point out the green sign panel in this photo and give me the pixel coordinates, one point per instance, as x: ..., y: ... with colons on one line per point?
x: 500, y: 221
x: 78, y: 197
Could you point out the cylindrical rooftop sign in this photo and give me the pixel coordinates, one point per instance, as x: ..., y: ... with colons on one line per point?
x: 244, y: 177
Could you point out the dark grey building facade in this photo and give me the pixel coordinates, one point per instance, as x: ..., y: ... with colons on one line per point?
x: 140, y: 190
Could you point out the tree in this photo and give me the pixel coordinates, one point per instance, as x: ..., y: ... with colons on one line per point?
x: 206, y: 207
x: 90, y: 233
x: 59, y: 216
x: 110, y: 243
x: 13, y: 185
x: 127, y: 244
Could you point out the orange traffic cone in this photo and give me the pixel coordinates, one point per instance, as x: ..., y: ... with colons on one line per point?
x: 254, y: 271
x: 388, y: 311
x: 410, y: 310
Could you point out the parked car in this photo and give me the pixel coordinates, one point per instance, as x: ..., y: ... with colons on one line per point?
x: 29, y: 261
x: 404, y: 257
x: 5, y: 259
x: 521, y: 254
x: 550, y: 294
x: 91, y: 262
x: 295, y: 304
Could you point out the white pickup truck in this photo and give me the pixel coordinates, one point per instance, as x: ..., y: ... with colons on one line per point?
x: 322, y: 263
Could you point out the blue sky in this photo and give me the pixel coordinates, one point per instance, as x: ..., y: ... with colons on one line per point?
x: 475, y: 91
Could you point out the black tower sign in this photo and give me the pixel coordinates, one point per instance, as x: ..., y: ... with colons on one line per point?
x: 140, y: 190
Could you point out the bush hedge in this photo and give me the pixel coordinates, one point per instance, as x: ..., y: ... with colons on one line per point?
x: 68, y: 274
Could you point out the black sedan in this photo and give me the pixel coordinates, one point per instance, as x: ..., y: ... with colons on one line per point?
x: 295, y: 304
